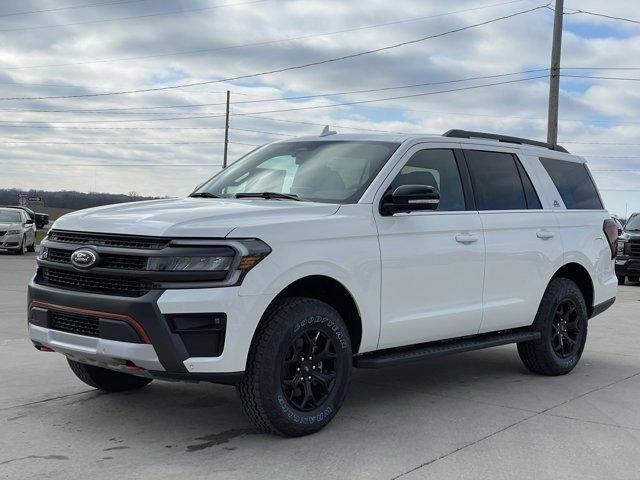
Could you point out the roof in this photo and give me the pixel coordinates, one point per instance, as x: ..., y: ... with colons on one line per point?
x: 401, y: 138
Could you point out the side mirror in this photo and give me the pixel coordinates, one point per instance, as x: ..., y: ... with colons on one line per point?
x: 411, y: 198
x: 28, y: 222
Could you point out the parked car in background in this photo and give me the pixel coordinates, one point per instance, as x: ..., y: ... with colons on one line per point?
x: 17, y: 231
x: 628, y: 260
x: 313, y: 255
x: 40, y: 219
x: 619, y: 223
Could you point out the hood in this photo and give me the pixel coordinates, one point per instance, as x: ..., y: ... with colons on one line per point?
x: 10, y: 226
x: 189, y: 217
x: 631, y: 234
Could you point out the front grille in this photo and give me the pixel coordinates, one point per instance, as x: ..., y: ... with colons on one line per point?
x: 59, y: 256
x: 107, y: 260
x: 633, y: 248
x: 107, y: 240
x: 74, y: 323
x: 89, y: 282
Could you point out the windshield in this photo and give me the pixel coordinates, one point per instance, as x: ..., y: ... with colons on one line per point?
x: 10, y: 216
x: 319, y: 171
x: 633, y: 224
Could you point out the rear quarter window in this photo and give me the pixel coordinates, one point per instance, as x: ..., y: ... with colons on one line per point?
x: 574, y: 184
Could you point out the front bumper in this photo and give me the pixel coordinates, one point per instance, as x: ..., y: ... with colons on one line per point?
x: 158, y: 350
x: 10, y: 242
x: 628, y: 266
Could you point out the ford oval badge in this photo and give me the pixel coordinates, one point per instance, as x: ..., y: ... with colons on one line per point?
x: 84, y: 258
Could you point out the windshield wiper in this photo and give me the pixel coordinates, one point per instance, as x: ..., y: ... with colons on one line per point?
x: 204, y: 195
x: 268, y: 195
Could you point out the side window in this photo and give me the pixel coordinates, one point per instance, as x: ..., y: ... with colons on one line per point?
x: 573, y: 183
x: 533, y: 201
x: 496, y: 181
x: 436, y: 168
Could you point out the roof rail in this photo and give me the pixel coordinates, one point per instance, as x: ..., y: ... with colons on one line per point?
x: 503, y: 138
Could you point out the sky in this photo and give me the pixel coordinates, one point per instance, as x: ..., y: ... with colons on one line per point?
x: 170, y: 139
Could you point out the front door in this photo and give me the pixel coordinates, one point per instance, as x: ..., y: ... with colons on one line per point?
x: 432, y: 261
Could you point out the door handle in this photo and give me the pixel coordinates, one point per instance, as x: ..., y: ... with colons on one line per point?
x: 466, y: 238
x: 545, y: 234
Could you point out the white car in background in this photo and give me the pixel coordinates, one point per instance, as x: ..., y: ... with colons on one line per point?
x: 17, y: 231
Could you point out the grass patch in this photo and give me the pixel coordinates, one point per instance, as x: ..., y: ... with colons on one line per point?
x: 40, y: 234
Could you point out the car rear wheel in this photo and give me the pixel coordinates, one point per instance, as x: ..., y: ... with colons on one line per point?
x: 299, y: 368
x: 562, y: 323
x: 105, y: 379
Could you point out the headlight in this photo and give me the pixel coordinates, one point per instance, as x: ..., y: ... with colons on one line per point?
x: 13, y: 232
x: 189, y: 264
x: 44, y: 253
x: 621, y: 247
x: 234, y: 257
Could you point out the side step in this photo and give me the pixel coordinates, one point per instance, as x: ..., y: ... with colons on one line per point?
x: 395, y: 356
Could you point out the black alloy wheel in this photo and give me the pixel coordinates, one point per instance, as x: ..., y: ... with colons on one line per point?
x: 566, y: 329
x: 299, y: 368
x: 309, y: 370
x: 562, y: 321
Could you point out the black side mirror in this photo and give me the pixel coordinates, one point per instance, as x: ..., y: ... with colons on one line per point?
x: 28, y: 222
x: 411, y: 198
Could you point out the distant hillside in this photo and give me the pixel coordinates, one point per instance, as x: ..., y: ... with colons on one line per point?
x: 68, y: 200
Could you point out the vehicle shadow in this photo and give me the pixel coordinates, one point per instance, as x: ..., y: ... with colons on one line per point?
x: 193, y: 417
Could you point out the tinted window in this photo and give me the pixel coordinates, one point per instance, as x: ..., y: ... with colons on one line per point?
x: 496, y: 181
x: 573, y: 183
x: 533, y: 201
x: 436, y: 168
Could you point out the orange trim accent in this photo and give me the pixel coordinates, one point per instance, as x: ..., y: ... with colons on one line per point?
x: 94, y: 313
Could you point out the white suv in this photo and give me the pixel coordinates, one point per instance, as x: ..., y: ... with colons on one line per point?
x: 310, y: 256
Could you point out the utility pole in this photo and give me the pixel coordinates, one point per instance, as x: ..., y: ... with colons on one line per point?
x: 226, y: 132
x: 554, y: 80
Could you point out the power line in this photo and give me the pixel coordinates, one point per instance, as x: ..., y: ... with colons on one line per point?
x: 114, y: 165
x: 300, y: 97
x: 32, y: 142
x: 72, y: 7
x: 624, y: 19
x: 136, y: 17
x: 263, y: 43
x: 341, y: 104
x: 286, y: 69
x: 599, y: 77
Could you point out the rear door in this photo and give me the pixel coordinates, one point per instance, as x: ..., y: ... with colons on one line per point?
x: 432, y: 261
x: 523, y: 245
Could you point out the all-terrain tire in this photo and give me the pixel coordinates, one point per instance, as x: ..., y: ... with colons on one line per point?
x: 262, y: 390
x: 105, y: 379
x: 539, y: 355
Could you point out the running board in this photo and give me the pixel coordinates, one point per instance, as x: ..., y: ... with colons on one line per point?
x: 395, y: 356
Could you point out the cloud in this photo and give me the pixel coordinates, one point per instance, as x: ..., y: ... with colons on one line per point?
x: 591, y: 110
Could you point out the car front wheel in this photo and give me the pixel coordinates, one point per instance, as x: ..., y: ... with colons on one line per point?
x: 22, y: 248
x: 299, y: 368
